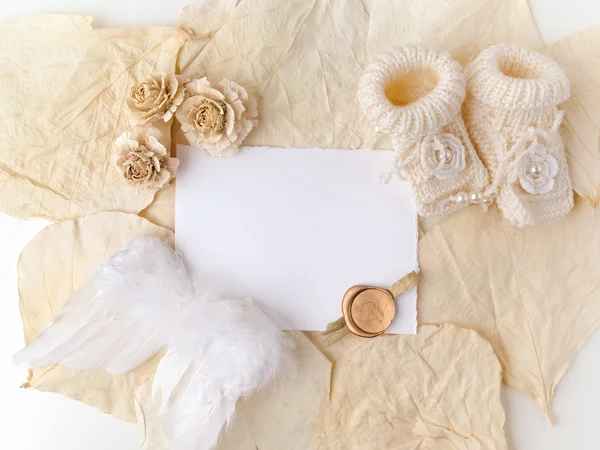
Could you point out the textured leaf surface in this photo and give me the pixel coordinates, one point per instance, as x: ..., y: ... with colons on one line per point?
x: 579, y: 55
x: 305, y: 66
x: 58, y: 260
x: 464, y: 27
x: 439, y: 389
x: 63, y: 89
x: 282, y: 416
x: 533, y: 293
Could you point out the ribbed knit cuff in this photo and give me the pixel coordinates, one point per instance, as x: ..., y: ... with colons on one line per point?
x: 423, y: 116
x: 511, y: 77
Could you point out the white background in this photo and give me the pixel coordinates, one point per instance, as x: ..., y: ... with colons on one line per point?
x: 30, y: 420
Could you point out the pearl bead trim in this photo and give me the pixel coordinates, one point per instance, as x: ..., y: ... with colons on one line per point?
x: 474, y: 198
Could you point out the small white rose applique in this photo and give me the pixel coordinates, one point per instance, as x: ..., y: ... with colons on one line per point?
x: 442, y: 156
x: 536, y: 169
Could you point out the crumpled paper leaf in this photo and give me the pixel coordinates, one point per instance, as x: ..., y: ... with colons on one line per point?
x: 161, y: 211
x: 304, y: 65
x: 340, y: 353
x: 464, y: 27
x: 579, y: 55
x: 533, y: 293
x: 439, y: 389
x: 282, y: 416
x: 63, y: 93
x: 58, y: 260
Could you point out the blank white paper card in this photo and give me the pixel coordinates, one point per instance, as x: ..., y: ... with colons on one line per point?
x: 295, y: 228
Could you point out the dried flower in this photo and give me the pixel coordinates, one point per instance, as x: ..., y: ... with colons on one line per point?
x: 218, y: 118
x: 143, y: 160
x: 156, y: 97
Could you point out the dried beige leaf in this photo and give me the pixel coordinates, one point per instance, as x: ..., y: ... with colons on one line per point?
x: 464, y: 27
x: 58, y: 260
x: 439, y: 389
x: 162, y: 209
x: 64, y: 94
x: 202, y: 20
x: 305, y: 67
x: 533, y: 293
x: 340, y: 353
x: 579, y: 55
x: 282, y: 416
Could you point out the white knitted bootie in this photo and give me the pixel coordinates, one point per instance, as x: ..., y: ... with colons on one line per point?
x: 512, y: 115
x: 415, y: 95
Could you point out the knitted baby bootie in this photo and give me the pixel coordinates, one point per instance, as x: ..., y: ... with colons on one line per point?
x: 512, y: 115
x: 415, y: 95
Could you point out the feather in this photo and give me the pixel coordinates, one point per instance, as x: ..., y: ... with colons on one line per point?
x: 84, y: 335
x: 103, y: 322
x: 141, y: 299
x: 226, y: 349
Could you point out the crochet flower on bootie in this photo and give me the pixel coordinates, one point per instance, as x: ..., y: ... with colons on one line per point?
x: 415, y: 95
x: 443, y: 156
x: 535, y: 169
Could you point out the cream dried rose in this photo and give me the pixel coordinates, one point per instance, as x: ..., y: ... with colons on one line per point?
x: 156, y: 97
x: 143, y: 160
x: 217, y: 118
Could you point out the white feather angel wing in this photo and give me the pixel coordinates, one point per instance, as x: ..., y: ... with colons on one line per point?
x: 140, y: 299
x: 85, y: 335
x: 225, y: 349
x: 111, y: 321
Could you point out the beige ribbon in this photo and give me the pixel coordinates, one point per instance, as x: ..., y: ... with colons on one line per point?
x: 338, y: 329
x: 404, y: 284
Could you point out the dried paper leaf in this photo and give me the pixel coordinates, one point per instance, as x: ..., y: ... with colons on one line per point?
x: 340, y: 353
x: 202, y: 19
x: 579, y: 55
x: 58, y: 260
x: 464, y: 27
x: 305, y: 65
x: 63, y: 87
x: 438, y: 389
x: 533, y: 293
x: 279, y: 417
x: 161, y: 211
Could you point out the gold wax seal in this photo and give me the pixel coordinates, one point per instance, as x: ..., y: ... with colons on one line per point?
x: 368, y: 310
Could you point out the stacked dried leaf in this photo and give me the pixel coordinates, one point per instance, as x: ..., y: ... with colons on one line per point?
x: 533, y: 293
x: 64, y: 89
x: 437, y: 390
x: 58, y: 260
x: 463, y: 27
x: 305, y: 65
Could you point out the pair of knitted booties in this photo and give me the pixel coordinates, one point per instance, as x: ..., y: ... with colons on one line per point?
x: 506, y: 150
